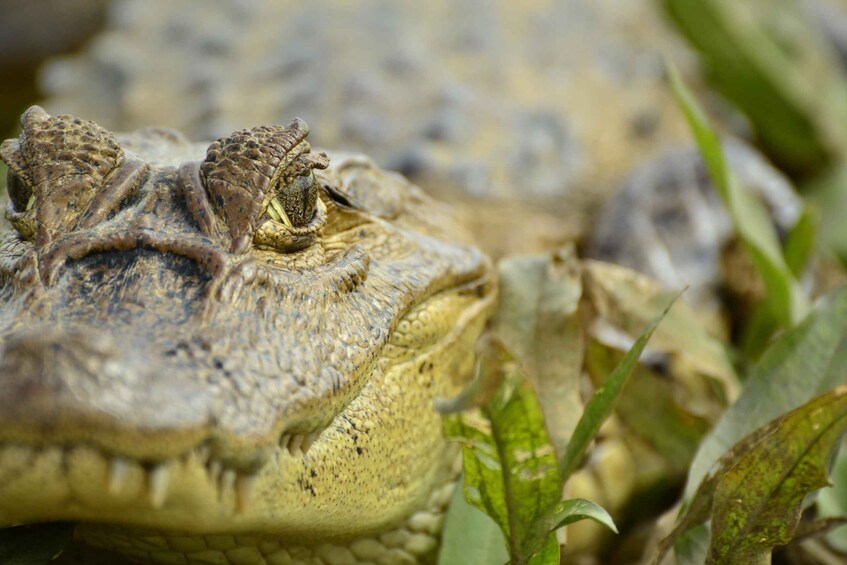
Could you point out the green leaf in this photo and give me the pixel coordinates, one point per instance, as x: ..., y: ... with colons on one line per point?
x: 674, y: 426
x: 510, y: 466
x: 549, y: 554
x: 602, y: 403
x: 537, y: 322
x: 470, y: 535
x: 805, y: 361
x: 832, y: 502
x: 757, y: 332
x: 767, y: 59
x: 802, y: 240
x: 828, y: 191
x: 576, y: 509
x: 758, y: 502
x: 693, y: 548
x: 755, y: 492
x: 34, y: 545
x: 784, y: 295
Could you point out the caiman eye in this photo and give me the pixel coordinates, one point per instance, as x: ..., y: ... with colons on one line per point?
x: 19, y: 192
x: 295, y: 200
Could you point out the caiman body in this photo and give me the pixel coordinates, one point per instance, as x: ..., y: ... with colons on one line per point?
x: 228, y: 353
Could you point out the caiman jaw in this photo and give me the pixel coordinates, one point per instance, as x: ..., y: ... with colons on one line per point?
x: 173, y: 357
x: 196, y: 493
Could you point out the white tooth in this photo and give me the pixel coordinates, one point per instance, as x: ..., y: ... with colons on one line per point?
x: 284, y: 441
x: 243, y: 488
x: 160, y: 476
x: 227, y: 481
x: 296, y: 442
x: 118, y: 469
x: 309, y: 440
x: 215, y: 470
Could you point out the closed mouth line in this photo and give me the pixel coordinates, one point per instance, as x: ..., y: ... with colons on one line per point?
x: 122, y: 471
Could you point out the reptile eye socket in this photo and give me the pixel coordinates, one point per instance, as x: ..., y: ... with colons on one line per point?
x: 19, y: 192
x: 295, y: 201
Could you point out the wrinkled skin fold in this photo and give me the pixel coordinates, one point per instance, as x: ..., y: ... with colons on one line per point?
x: 242, y: 337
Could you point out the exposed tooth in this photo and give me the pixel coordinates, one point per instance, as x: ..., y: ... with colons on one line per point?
x: 118, y: 469
x: 160, y: 476
x: 296, y: 442
x: 227, y: 482
x: 215, y: 470
x: 243, y: 488
x: 284, y: 441
x: 309, y: 440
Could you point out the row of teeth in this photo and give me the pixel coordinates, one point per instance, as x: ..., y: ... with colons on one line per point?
x: 298, y: 444
x: 225, y: 479
x: 159, y: 480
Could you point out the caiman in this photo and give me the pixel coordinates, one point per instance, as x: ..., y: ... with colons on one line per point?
x: 269, y: 354
x: 228, y: 352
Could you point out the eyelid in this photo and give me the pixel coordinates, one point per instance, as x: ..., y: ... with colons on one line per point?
x: 275, y: 235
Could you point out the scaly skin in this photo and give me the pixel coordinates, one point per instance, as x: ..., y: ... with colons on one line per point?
x: 178, y: 361
x: 531, y: 111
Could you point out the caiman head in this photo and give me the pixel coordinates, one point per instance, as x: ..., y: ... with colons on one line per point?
x: 227, y: 337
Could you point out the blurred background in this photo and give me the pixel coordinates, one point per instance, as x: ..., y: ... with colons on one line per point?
x: 535, y: 110
x: 544, y: 121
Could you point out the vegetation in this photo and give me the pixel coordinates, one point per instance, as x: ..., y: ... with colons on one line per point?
x: 752, y: 430
x: 752, y: 485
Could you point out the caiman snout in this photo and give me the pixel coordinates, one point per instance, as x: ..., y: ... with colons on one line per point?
x: 82, y: 386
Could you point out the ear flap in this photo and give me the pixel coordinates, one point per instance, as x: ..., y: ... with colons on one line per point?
x: 241, y: 170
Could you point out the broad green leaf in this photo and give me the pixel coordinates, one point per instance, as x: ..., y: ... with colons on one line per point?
x: 34, y: 545
x: 510, y: 466
x: 758, y: 501
x: 804, y: 362
x: 772, y: 64
x: 470, y: 536
x: 603, y: 401
x: 549, y: 554
x: 754, y: 494
x: 537, y: 322
x: 785, y: 297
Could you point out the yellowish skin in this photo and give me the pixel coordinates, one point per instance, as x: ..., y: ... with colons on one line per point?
x: 356, y: 472
x: 360, y: 497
